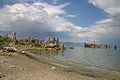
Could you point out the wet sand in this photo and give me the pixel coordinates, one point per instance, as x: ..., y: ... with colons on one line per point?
x: 20, y: 67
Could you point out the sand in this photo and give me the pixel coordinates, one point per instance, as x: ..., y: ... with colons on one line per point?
x: 14, y: 66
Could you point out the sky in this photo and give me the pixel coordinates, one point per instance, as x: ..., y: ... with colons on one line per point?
x: 68, y: 20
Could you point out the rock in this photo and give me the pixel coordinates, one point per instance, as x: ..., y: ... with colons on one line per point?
x: 2, y: 75
x: 52, y: 42
x: 70, y: 47
x: 22, y: 52
x: 94, y: 45
x: 53, y: 68
x: 10, y: 67
x: 61, y: 46
x: 13, y: 36
x: 22, y: 68
x: 3, y: 61
x: 10, y: 49
x: 51, y: 45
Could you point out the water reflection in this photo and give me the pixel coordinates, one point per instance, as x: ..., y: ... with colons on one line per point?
x: 47, y: 52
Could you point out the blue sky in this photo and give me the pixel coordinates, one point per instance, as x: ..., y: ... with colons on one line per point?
x: 69, y: 20
x: 87, y: 14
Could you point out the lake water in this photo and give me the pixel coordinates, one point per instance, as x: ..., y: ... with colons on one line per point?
x: 104, y: 58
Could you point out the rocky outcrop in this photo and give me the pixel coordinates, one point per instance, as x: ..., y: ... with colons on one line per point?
x: 52, y: 42
x: 93, y: 45
x: 12, y: 41
x: 13, y: 36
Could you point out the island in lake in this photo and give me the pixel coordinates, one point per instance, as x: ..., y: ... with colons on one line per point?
x: 95, y: 45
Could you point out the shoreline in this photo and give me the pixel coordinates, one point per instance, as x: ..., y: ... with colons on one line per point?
x: 79, y: 68
x: 20, y: 67
x: 28, y: 67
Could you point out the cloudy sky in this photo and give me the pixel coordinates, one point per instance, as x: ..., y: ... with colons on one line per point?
x: 69, y: 20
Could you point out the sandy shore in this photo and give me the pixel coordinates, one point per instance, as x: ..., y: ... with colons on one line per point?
x: 19, y: 67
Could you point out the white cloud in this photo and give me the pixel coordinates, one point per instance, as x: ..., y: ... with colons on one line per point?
x: 42, y: 18
x: 107, y: 29
x: 52, y: 9
x: 111, y: 6
x: 72, y: 16
x: 38, y: 18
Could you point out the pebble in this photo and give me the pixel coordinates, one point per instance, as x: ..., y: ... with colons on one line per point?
x: 22, y: 68
x: 3, y: 61
x: 22, y: 52
x: 53, y: 68
x: 11, y: 67
x: 2, y: 75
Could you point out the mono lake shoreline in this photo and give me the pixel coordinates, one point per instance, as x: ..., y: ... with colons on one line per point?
x: 20, y: 62
x: 14, y: 66
x: 79, y: 68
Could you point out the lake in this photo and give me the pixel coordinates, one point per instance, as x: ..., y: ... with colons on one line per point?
x: 103, y: 58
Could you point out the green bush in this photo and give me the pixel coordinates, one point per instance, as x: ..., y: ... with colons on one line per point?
x: 4, y: 40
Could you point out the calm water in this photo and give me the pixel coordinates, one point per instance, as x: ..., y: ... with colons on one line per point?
x: 104, y: 58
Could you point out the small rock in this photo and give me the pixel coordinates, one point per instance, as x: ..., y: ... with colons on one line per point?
x: 22, y: 68
x: 11, y: 67
x: 10, y: 49
x: 3, y: 61
x: 22, y: 52
x: 2, y: 75
x: 53, y: 68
